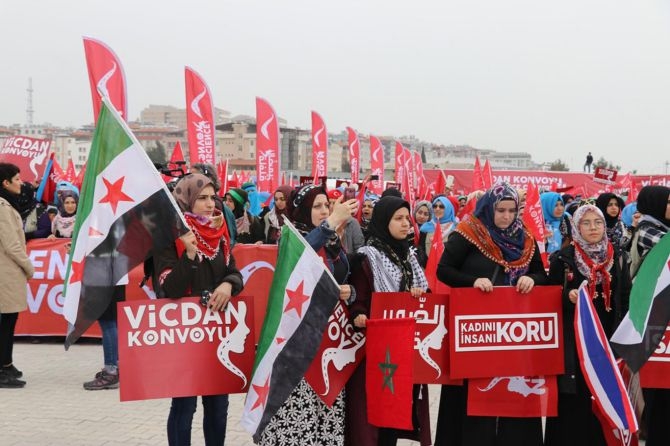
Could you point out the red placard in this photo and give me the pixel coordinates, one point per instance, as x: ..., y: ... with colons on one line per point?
x: 29, y: 154
x: 603, y: 175
x: 431, y: 358
x: 513, y: 396
x: 338, y: 357
x: 505, y: 333
x: 178, y: 347
x: 654, y: 374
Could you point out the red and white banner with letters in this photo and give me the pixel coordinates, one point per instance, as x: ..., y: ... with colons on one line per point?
x: 199, y: 119
x: 654, y: 374
x: 178, y: 347
x: 338, y: 357
x: 431, y: 356
x: 376, y: 165
x: 319, y: 146
x: 267, y: 150
x: 354, y: 154
x: 399, y: 163
x: 505, y: 333
x: 29, y: 154
x: 105, y: 74
x: 513, y: 396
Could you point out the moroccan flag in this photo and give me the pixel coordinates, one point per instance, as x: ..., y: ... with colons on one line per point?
x: 377, y: 164
x: 478, y: 177
x: 434, y: 256
x: 293, y: 328
x: 599, y: 367
x: 354, y: 153
x: 389, y: 372
x: 643, y: 327
x: 487, y: 175
x: 125, y: 214
x: 319, y: 147
x: 105, y: 74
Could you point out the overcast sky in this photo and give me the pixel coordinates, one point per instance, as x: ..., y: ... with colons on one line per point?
x: 555, y: 79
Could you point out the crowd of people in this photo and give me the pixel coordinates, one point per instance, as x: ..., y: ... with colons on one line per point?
x: 382, y: 247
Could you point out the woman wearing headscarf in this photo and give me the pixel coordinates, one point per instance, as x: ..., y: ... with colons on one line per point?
x: 366, y: 213
x: 591, y: 257
x: 445, y: 215
x: 304, y: 418
x: 653, y: 202
x: 249, y: 228
x: 610, y: 205
x: 15, y: 269
x: 388, y: 265
x: 490, y: 248
x: 557, y: 222
x: 63, y: 224
x: 274, y: 219
x: 422, y: 214
x: 201, y: 260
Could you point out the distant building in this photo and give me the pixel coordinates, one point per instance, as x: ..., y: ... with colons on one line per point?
x: 167, y: 115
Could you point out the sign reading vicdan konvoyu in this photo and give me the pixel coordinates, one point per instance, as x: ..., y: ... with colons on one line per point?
x: 505, y: 333
x: 178, y: 347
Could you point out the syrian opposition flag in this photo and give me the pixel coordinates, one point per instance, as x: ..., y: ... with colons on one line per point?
x: 302, y: 297
x: 643, y: 327
x: 600, y: 369
x: 125, y: 214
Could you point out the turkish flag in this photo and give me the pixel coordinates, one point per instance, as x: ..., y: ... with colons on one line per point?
x: 389, y: 372
x: 513, y: 396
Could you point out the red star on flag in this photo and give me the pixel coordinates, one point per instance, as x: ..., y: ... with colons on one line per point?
x: 262, y: 392
x: 76, y: 271
x: 114, y: 193
x: 295, y: 299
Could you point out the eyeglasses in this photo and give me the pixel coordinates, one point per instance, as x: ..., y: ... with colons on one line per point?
x: 438, y: 206
x: 594, y: 223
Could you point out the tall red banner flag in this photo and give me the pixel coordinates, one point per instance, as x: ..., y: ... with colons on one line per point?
x: 267, y: 150
x: 534, y: 219
x: 105, y: 74
x: 354, y: 154
x: 199, y: 119
x: 319, y: 146
x: 399, y: 165
x: 177, y: 155
x: 410, y: 173
x: 223, y: 177
x: 477, y: 177
x: 70, y: 173
x: 487, y: 175
x: 377, y: 165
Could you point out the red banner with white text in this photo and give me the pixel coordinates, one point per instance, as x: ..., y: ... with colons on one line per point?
x: 267, y: 150
x: 178, y: 347
x: 199, y: 119
x: 654, y: 373
x: 399, y: 162
x: 106, y: 77
x: 376, y: 165
x: 28, y: 154
x: 354, y: 154
x: 319, y: 146
x: 505, y: 333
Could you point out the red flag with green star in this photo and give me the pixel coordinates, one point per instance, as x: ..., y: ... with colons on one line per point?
x: 389, y: 372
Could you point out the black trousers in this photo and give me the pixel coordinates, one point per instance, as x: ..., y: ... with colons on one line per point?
x: 7, y: 326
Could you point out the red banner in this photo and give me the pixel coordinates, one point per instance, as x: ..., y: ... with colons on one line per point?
x: 177, y: 155
x: 505, y: 333
x: 410, y: 174
x: 319, y: 146
x: 604, y: 175
x: 431, y: 358
x: 477, y: 177
x: 178, y: 347
x: 377, y: 165
x: 70, y: 173
x: 222, y: 171
x: 354, y: 154
x: 654, y: 374
x: 267, y: 150
x: 29, y: 154
x: 513, y: 396
x: 105, y: 74
x: 399, y: 164
x: 79, y: 181
x: 487, y: 175
x: 338, y: 357
x: 199, y: 119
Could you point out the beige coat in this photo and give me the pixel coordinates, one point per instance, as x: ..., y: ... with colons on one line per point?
x: 15, y: 266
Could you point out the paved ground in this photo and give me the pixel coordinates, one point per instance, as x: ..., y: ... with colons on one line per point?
x: 54, y: 409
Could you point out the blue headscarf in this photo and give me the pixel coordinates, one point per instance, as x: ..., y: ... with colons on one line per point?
x: 449, y: 216
x: 549, y: 200
x: 627, y: 213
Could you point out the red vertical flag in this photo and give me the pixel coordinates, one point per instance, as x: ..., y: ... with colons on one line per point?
x: 434, y: 256
x: 80, y: 177
x: 418, y: 164
x: 223, y: 177
x: 440, y: 184
x: 389, y: 372
x: 54, y: 175
x: 377, y: 164
x: 319, y: 146
x: 354, y: 154
x: 399, y: 162
x: 105, y: 74
x: 199, y: 119
x: 409, y: 173
x: 70, y: 172
x: 487, y: 175
x: 478, y: 178
x: 534, y: 219
x: 267, y: 150
x: 177, y: 155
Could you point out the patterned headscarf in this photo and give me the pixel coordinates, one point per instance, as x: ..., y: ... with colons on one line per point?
x: 511, y: 239
x: 188, y: 188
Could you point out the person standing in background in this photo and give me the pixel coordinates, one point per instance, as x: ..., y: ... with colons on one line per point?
x: 587, y: 164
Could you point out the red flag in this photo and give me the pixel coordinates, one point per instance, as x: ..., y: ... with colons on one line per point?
x: 223, y: 177
x: 234, y: 181
x: 478, y: 178
x: 513, y: 396
x: 28, y: 154
x: 389, y: 372
x: 70, y: 172
x: 468, y: 209
x: 105, y: 74
x: 199, y: 119
x: 377, y: 164
x: 487, y: 175
x: 267, y: 150
x: 354, y: 154
x: 361, y: 199
x: 283, y: 178
x: 440, y: 183
x: 434, y: 256
x: 55, y: 176
x: 177, y: 155
x: 418, y: 163
x: 409, y: 170
x: 399, y: 163
x: 534, y: 219
x: 79, y: 181
x: 319, y: 147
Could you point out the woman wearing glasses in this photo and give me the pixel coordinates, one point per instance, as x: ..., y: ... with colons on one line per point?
x: 445, y: 215
x: 593, y: 258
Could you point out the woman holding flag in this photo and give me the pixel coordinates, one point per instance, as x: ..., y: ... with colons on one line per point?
x: 201, y: 261
x: 591, y: 257
x: 491, y: 248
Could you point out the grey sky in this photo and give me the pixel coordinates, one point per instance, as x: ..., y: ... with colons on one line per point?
x: 555, y: 79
